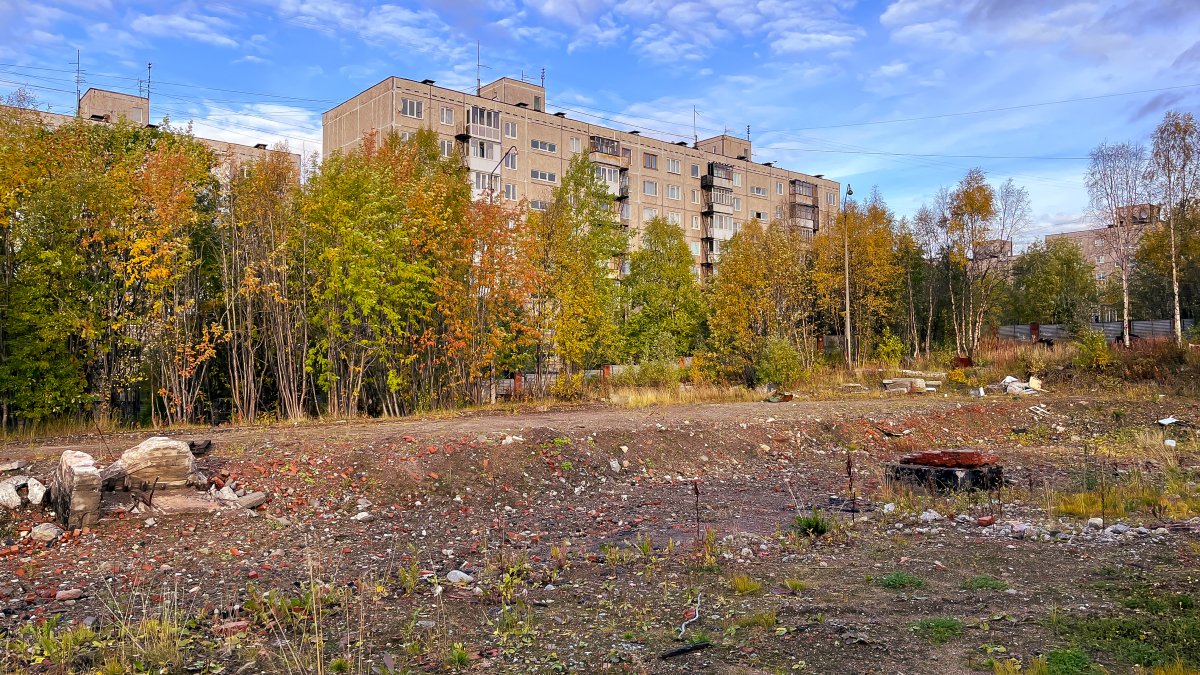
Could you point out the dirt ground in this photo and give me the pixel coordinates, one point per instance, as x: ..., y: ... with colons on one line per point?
x: 578, y: 527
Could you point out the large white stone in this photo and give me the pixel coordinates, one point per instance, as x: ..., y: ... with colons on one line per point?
x: 9, y: 496
x: 37, y: 491
x: 171, y: 462
x: 75, y: 490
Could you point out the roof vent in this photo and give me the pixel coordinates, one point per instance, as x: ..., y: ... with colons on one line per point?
x: 561, y: 114
x: 818, y: 175
x: 522, y: 105
x: 681, y: 143
x: 427, y: 81
x: 770, y: 164
x: 636, y: 133
x: 260, y: 146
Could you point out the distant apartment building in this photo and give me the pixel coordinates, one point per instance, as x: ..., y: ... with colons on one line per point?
x: 101, y: 106
x: 516, y: 151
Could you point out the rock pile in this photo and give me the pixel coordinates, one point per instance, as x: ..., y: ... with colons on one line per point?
x: 170, y: 463
x: 75, y: 490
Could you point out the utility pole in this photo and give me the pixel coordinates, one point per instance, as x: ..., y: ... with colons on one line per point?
x: 148, y: 67
x: 78, y: 82
x: 846, y: 248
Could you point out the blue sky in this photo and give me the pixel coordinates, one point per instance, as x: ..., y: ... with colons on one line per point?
x: 821, y: 83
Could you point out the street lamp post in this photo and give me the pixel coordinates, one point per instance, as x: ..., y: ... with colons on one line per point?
x: 846, y: 250
x: 512, y: 149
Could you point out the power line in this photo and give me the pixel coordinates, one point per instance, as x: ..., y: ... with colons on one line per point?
x: 913, y: 154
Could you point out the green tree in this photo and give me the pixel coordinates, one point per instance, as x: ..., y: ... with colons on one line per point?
x: 661, y: 292
x: 576, y: 248
x: 1053, y: 283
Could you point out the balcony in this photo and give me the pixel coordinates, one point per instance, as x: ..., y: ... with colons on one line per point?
x: 485, y: 132
x: 618, y: 161
x: 622, y: 193
x: 710, y: 182
x: 710, y: 206
x: 709, y: 258
x: 803, y: 211
x: 706, y: 231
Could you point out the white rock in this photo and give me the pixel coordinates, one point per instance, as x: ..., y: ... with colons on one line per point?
x: 888, y: 508
x: 1096, y: 523
x: 227, y: 494
x: 612, y: 464
x: 9, y: 496
x: 158, y: 457
x: 364, y: 517
x: 930, y: 516
x: 45, y: 532
x: 37, y: 491
x: 75, y: 489
x: 459, y: 577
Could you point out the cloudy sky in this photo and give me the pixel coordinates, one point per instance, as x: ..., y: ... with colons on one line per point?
x: 906, y: 95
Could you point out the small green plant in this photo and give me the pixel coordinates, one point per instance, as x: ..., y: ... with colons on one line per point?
x: 698, y: 638
x: 937, y: 631
x: 984, y: 582
x: 814, y: 525
x: 1069, y: 662
x: 744, y: 584
x: 778, y: 364
x: 758, y: 620
x: 339, y: 665
x: 899, y: 579
x: 566, y: 465
x: 794, y: 585
x: 889, y: 348
x: 456, y: 656
x: 1093, y: 350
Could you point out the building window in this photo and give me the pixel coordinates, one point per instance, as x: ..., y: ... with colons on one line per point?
x: 608, y: 174
x: 695, y: 196
x: 673, y: 218
x: 801, y: 188
x: 695, y: 171
x: 485, y: 181
x: 410, y: 108
x: 510, y: 129
x: 673, y: 166
x: 405, y: 136
x: 649, y: 214
x: 510, y: 161
x: 1100, y: 259
x: 650, y: 187
x: 575, y: 145
x: 761, y: 192
x: 737, y: 180
x: 448, y: 116
x: 537, y: 103
x: 626, y: 210
x: 737, y: 203
x: 779, y: 188
x: 674, y: 192
x: 510, y: 192
x: 447, y: 148
x: 649, y: 161
x: 543, y: 146
x: 483, y: 150
x: 762, y: 216
x: 1099, y: 242
x: 695, y: 248
x: 1101, y: 276
x: 695, y: 222
x: 829, y: 196
x: 779, y: 212
x: 537, y: 206
x: 542, y: 175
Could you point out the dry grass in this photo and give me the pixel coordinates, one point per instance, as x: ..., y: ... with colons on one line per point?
x: 758, y: 620
x: 744, y: 584
x: 639, y: 397
x: 1176, y: 668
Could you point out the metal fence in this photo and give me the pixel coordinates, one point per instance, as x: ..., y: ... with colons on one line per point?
x: 1030, y: 332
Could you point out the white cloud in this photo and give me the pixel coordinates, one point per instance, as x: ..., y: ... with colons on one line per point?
x: 208, y: 29
x: 945, y: 34
x: 892, y: 70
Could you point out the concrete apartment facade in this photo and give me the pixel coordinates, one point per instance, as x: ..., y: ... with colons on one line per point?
x: 516, y: 150
x: 105, y: 107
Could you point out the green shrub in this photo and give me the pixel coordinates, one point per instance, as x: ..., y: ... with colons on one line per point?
x: 778, y: 364
x: 938, y: 631
x: 1093, y: 350
x: 814, y: 525
x: 889, y: 348
x: 1069, y: 662
x: 902, y: 580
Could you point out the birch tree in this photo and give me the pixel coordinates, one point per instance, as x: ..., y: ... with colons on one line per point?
x: 1117, y: 185
x: 1173, y: 182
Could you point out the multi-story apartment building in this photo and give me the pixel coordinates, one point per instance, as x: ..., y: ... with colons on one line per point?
x: 101, y: 106
x: 515, y: 150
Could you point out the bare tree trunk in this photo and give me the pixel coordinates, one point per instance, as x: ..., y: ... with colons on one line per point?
x: 1125, y: 327
x: 1175, y: 280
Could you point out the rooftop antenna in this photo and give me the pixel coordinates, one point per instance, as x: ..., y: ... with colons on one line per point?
x: 543, y: 78
x: 747, y: 132
x: 695, y: 133
x: 478, y: 65
x: 78, y: 81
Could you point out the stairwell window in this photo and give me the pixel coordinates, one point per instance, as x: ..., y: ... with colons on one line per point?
x: 542, y: 175
x: 510, y: 192
x: 695, y: 196
x: 510, y: 129
x: 448, y: 116
x: 575, y: 144
x: 737, y: 202
x: 447, y: 148
x: 830, y: 198
x: 510, y: 161
x: 695, y: 222
x: 410, y: 108
x: 737, y: 180
x: 779, y: 188
x: 695, y: 248
x: 649, y: 187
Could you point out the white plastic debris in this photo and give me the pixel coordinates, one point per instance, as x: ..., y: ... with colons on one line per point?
x: 1167, y: 421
